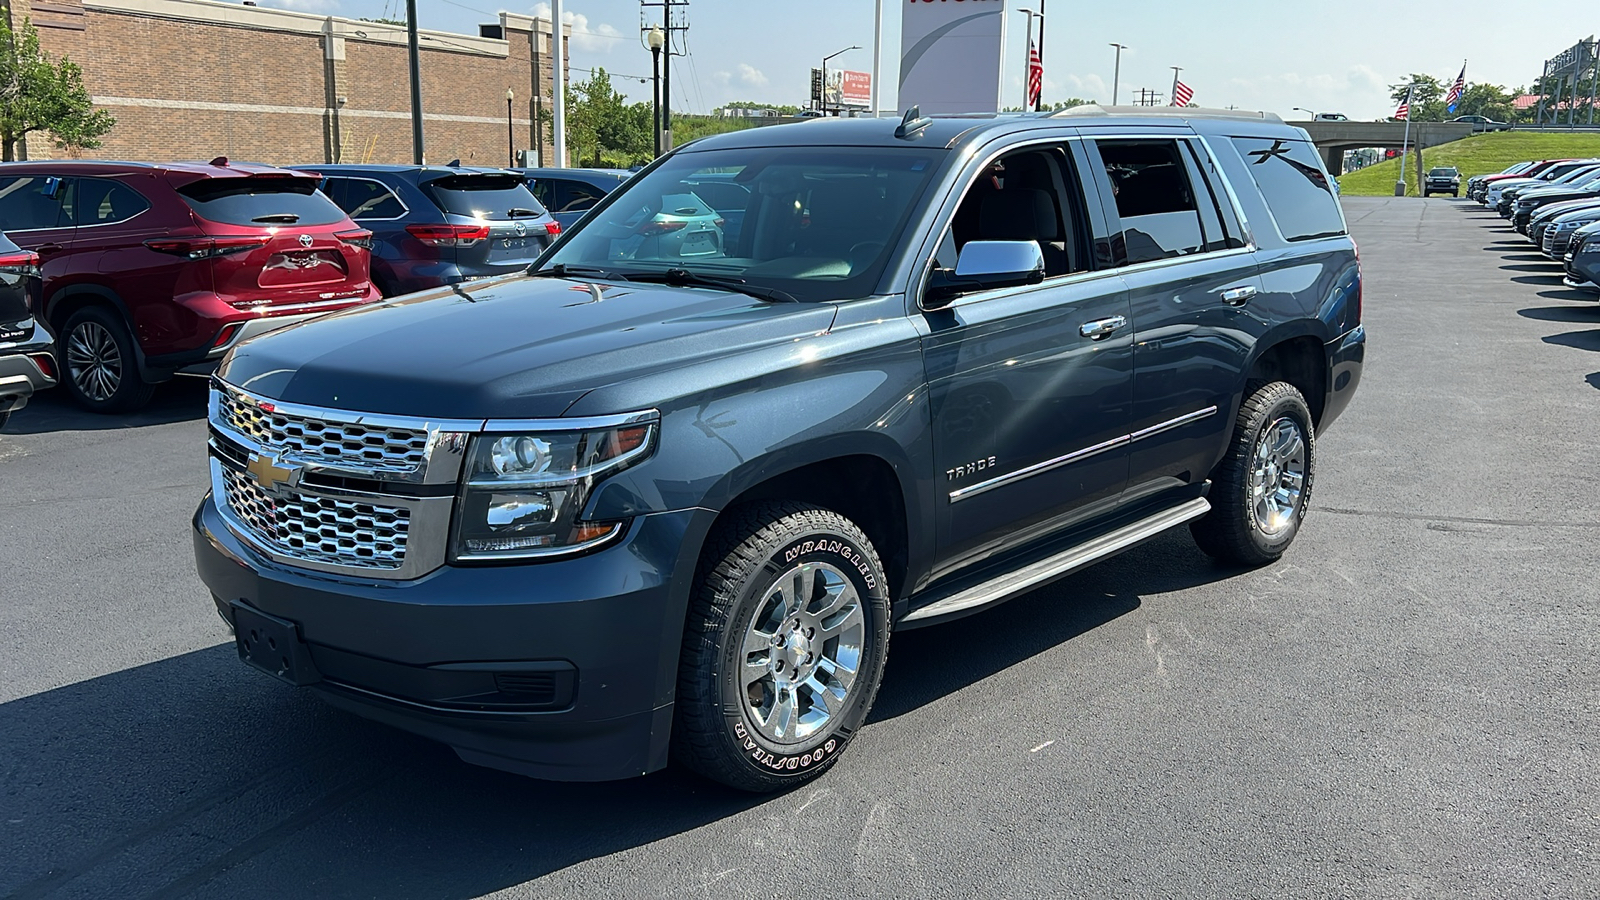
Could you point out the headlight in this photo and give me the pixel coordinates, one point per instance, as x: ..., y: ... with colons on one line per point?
x: 522, y: 492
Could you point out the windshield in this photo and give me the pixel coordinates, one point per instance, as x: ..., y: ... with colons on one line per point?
x: 818, y: 223
x: 262, y: 200
x: 1442, y: 172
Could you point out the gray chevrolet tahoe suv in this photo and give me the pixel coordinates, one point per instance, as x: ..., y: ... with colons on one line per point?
x: 640, y: 504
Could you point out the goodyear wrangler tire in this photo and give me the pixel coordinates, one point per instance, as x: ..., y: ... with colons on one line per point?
x: 784, y: 646
x: 1262, y: 487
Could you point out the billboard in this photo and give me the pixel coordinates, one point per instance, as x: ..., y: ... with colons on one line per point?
x: 855, y: 89
x: 951, y: 54
x: 845, y: 90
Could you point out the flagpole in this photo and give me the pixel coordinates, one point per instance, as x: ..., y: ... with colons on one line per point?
x: 1038, y: 104
x: 1405, y: 142
x: 1174, y: 94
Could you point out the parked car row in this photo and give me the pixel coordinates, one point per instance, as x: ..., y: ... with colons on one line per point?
x: 1556, y: 204
x: 117, y: 276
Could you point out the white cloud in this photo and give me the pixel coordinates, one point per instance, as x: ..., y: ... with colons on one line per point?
x: 590, y: 38
x: 307, y: 6
x: 751, y: 75
x: 722, y: 78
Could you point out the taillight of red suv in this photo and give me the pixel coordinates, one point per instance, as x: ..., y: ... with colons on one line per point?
x: 208, y: 247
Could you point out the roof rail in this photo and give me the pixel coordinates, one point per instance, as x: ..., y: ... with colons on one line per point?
x: 1095, y: 109
x: 912, y: 124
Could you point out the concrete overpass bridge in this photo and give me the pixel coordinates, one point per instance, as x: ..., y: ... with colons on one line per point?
x: 1334, y: 138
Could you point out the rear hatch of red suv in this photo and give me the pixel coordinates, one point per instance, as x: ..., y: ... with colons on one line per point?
x: 273, y: 244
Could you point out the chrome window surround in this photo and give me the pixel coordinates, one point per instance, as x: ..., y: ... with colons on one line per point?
x: 1068, y: 459
x: 430, y: 517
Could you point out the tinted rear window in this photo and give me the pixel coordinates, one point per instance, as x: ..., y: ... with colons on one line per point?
x: 260, y: 202
x: 1298, y: 193
x: 482, y: 196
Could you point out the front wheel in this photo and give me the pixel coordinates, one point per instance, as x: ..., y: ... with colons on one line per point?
x: 1261, y: 489
x: 784, y: 646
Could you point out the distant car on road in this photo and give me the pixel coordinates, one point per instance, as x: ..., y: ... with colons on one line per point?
x: 1442, y: 179
x: 1482, y: 123
x: 569, y: 193
x: 26, y: 365
x: 1330, y: 117
x: 438, y: 225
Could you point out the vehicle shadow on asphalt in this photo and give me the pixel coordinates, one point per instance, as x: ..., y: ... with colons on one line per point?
x: 1581, y: 340
x: 1562, y: 313
x: 194, y: 776
x: 930, y: 663
x: 1543, y: 265
x: 182, y: 399
x: 1545, y: 280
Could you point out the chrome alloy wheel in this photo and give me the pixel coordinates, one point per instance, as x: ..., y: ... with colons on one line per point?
x: 94, y: 361
x: 1278, y: 476
x: 801, y: 653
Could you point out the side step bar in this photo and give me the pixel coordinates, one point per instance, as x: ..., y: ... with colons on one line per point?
x: 1005, y: 586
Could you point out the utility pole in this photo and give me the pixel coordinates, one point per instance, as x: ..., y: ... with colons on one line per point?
x: 416, y: 81
x: 668, y: 28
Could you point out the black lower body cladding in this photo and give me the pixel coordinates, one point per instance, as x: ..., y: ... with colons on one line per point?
x: 561, y: 670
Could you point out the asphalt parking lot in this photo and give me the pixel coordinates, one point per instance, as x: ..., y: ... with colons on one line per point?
x: 1404, y: 707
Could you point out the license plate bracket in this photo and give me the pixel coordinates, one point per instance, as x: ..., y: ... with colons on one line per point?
x: 273, y: 645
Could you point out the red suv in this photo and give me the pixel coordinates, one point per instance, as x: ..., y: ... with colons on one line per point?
x: 154, y: 269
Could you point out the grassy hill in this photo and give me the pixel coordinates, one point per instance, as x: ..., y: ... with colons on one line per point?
x: 1477, y: 155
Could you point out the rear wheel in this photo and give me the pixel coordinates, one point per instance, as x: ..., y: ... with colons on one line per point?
x: 783, y: 649
x: 102, y: 370
x: 1262, y: 487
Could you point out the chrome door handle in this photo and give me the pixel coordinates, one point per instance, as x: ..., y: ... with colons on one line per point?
x: 1238, y: 296
x: 1100, y: 329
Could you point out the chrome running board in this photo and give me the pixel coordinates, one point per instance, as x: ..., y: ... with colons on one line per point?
x: 1049, y: 569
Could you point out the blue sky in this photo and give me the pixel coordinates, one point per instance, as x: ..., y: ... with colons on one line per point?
x: 1250, y: 53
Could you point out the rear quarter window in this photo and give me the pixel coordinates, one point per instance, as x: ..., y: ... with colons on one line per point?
x: 1298, y: 192
x: 261, y: 202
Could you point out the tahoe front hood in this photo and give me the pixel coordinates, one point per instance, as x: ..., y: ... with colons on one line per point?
x: 510, y: 348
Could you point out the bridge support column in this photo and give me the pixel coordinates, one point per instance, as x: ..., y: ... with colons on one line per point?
x: 1333, y: 158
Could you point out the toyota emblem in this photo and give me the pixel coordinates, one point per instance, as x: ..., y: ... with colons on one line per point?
x: 305, y: 240
x: 522, y: 230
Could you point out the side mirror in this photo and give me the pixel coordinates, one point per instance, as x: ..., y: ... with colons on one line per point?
x: 985, y: 266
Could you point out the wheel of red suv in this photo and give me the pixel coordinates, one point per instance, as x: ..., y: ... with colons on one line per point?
x: 1260, y: 490
x: 102, y: 370
x: 784, y: 646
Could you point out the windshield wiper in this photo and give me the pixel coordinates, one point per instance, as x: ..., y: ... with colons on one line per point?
x: 679, y: 277
x: 285, y: 218
x: 562, y: 270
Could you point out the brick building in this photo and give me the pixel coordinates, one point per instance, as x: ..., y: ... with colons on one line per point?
x: 194, y: 79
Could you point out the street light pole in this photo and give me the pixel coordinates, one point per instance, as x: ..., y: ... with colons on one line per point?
x: 656, y: 39
x: 511, y: 133
x: 825, y: 74
x: 416, y: 82
x: 1116, y: 74
x: 1400, y: 186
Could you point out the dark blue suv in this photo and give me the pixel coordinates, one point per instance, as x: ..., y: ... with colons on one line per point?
x: 439, y: 225
x: 646, y: 504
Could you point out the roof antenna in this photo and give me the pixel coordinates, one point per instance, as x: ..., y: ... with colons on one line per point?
x: 220, y: 161
x: 911, y: 126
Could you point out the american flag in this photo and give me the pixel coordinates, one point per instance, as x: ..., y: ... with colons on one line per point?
x: 1457, y: 89
x: 1404, y: 112
x: 1035, y: 75
x: 1181, y: 94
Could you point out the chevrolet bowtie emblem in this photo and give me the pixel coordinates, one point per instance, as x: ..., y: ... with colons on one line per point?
x: 269, y: 474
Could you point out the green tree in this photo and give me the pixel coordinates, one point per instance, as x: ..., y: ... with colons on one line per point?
x: 1427, y: 102
x: 1489, y: 100
x: 41, y: 94
x: 602, y: 128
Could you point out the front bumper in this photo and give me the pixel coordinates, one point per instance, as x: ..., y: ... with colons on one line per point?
x: 435, y: 655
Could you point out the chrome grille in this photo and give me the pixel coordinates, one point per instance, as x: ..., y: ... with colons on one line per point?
x: 348, y: 445
x: 320, y: 529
